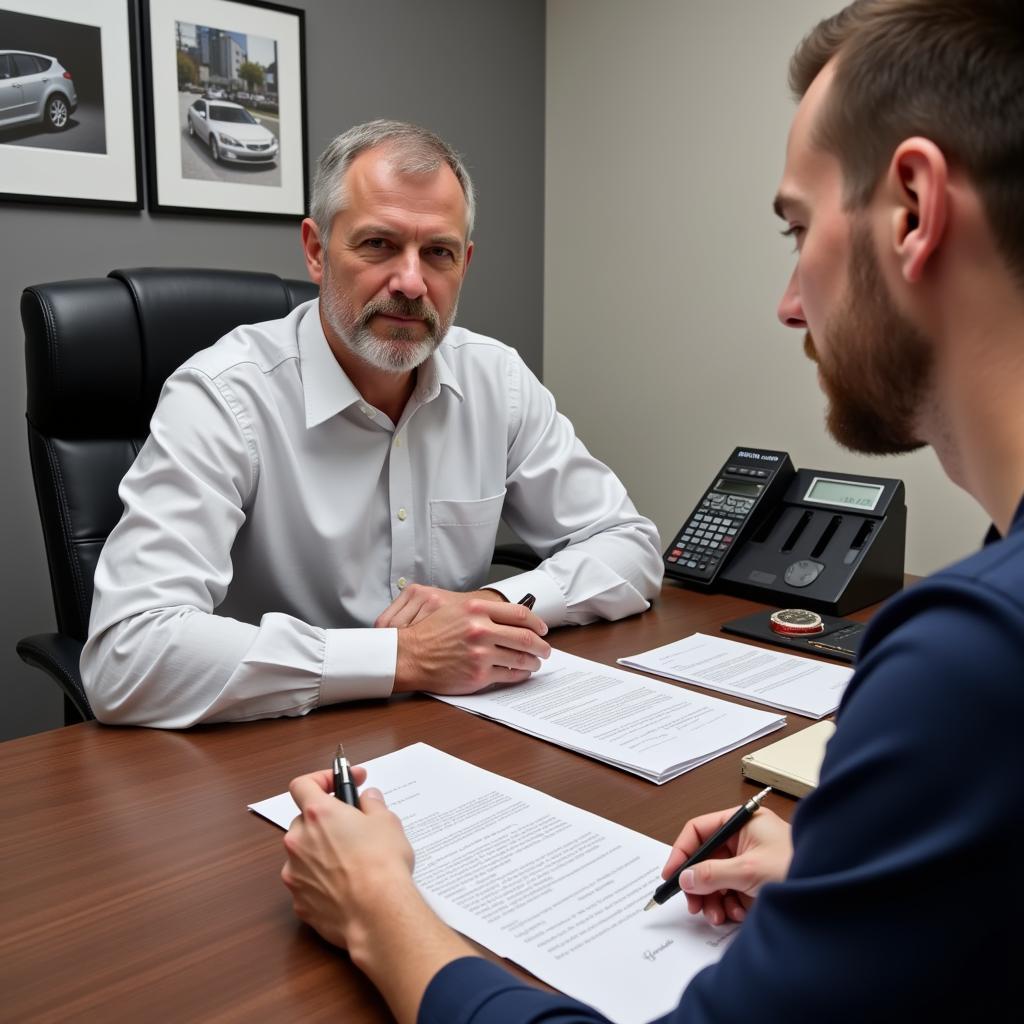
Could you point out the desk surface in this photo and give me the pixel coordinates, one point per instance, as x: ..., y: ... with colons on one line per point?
x: 135, y: 885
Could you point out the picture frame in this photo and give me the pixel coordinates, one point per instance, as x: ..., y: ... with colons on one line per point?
x: 69, y: 122
x: 225, y: 108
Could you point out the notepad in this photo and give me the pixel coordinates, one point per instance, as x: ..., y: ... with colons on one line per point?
x: 793, y: 764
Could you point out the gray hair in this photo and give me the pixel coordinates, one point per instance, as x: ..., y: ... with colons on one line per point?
x: 414, y: 150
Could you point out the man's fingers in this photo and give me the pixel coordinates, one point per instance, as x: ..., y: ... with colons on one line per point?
x: 712, y: 876
x: 308, y: 789
x: 514, y: 615
x: 692, y: 837
x: 371, y: 802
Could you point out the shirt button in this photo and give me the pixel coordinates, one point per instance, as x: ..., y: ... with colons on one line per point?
x: 402, y: 581
x: 398, y: 442
x: 402, y: 514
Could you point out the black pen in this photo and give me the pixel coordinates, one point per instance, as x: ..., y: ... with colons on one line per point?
x: 344, y: 787
x: 528, y: 600
x: 670, y: 887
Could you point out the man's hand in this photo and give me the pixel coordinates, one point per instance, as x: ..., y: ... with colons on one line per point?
x: 338, y: 856
x: 417, y: 601
x: 350, y: 876
x: 724, y: 885
x: 469, y: 644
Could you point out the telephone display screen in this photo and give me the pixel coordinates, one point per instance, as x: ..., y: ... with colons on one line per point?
x: 845, y: 493
x: 741, y: 487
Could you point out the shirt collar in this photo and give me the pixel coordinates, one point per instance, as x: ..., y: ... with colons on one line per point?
x: 1017, y: 523
x: 326, y: 387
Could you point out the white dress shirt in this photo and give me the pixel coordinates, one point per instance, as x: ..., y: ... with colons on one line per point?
x: 272, y: 515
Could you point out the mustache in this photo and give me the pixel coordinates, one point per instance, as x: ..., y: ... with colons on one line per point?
x: 396, y: 305
x: 809, y: 349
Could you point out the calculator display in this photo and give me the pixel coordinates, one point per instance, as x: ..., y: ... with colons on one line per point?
x: 742, y: 487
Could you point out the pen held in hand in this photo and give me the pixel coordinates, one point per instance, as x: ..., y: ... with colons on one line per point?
x: 344, y: 787
x: 528, y: 600
x: 670, y: 887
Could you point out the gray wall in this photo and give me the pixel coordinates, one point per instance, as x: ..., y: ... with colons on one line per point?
x: 472, y: 71
x: 666, y: 133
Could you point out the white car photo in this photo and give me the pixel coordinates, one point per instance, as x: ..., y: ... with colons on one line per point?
x: 231, y: 132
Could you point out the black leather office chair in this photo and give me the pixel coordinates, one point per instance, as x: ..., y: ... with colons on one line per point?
x: 97, y: 352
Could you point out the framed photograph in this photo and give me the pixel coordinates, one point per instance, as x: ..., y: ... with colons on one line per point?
x: 226, y: 125
x: 69, y: 128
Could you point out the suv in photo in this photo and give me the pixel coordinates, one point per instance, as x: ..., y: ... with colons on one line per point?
x: 35, y: 87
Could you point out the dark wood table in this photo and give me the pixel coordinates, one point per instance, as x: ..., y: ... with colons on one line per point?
x: 135, y: 885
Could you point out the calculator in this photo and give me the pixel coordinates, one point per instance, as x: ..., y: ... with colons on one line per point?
x: 747, y: 487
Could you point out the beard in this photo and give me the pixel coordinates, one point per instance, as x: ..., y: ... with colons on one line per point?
x: 877, y: 368
x: 400, y: 350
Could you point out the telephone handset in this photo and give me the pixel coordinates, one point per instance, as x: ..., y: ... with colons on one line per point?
x: 751, y: 481
x: 829, y: 542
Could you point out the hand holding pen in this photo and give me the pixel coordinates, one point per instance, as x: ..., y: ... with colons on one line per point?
x: 756, y: 849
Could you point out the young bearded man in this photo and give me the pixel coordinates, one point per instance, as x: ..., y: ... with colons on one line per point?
x: 893, y: 899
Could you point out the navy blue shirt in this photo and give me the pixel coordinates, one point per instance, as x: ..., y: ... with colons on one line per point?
x: 904, y: 896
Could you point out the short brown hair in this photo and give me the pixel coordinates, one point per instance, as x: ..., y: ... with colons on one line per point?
x: 949, y: 70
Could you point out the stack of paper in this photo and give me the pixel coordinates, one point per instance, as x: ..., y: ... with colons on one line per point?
x: 802, y: 685
x: 649, y: 728
x: 555, y: 889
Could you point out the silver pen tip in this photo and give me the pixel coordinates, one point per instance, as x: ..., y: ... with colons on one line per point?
x: 339, y: 754
x: 651, y: 904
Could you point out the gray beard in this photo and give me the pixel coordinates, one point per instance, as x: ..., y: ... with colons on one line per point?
x: 399, y: 353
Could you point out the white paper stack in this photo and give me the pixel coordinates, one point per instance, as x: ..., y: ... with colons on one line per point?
x: 801, y: 685
x: 649, y: 728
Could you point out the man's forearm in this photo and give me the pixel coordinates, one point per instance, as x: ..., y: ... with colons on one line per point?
x: 402, y: 946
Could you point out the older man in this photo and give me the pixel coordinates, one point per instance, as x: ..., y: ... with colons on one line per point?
x: 314, y: 513
x: 894, y: 899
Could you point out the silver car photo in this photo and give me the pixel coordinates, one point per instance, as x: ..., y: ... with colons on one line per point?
x: 35, y: 87
x: 231, y: 132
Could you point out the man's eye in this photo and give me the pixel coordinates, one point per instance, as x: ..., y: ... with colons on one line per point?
x: 796, y: 232
x: 441, y: 253
x: 375, y: 243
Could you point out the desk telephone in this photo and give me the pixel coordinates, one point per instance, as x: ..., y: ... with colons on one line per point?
x: 830, y: 542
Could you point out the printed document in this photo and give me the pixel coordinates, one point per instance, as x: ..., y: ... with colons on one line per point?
x: 555, y: 889
x: 652, y: 729
x: 801, y: 685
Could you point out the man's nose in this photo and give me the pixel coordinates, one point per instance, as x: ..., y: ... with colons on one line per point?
x: 791, y: 310
x: 407, y: 279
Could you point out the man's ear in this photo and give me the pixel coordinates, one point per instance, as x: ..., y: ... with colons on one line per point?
x: 917, y: 181
x: 313, y: 250
x: 465, y: 262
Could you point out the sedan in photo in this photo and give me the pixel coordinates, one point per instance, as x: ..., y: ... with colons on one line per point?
x: 34, y: 88
x: 231, y: 132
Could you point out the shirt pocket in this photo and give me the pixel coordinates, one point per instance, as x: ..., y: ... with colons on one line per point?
x: 462, y: 535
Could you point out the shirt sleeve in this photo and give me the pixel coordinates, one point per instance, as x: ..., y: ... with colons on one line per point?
x: 157, y: 653
x: 602, y: 559
x: 900, y: 903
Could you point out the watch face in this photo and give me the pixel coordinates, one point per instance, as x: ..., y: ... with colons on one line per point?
x: 796, y: 620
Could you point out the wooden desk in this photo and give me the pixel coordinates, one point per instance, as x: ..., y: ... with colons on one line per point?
x: 135, y: 886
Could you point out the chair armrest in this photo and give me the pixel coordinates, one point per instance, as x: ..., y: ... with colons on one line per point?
x: 57, y: 655
x: 519, y: 556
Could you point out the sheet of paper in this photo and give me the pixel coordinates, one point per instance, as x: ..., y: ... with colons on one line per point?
x: 802, y: 685
x: 556, y: 889
x: 641, y: 725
